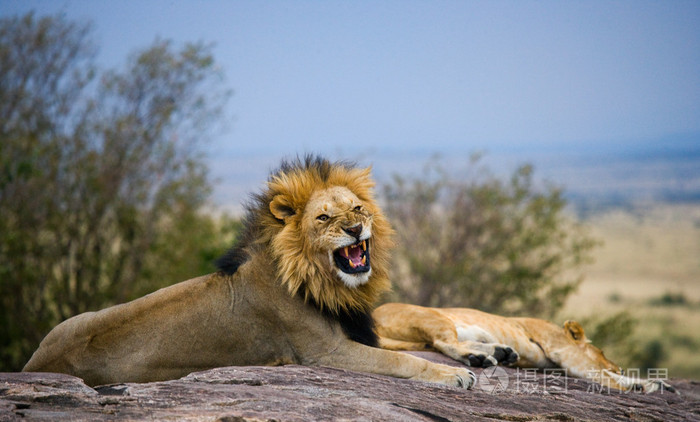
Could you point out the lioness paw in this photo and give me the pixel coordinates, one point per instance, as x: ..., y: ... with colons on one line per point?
x: 650, y: 386
x: 506, y: 355
x: 481, y: 360
x: 488, y: 354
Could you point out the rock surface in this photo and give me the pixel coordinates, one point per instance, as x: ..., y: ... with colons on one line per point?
x: 298, y: 393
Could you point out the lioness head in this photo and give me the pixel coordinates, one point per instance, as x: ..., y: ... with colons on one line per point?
x: 329, y: 240
x: 575, y: 332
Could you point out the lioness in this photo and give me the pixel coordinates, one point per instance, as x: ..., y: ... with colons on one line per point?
x: 480, y: 339
x: 297, y: 287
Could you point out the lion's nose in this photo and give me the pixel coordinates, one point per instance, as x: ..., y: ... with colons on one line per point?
x: 354, y: 231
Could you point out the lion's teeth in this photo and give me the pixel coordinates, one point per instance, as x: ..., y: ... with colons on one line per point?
x: 364, y: 261
x: 351, y: 263
x: 346, y: 251
x: 364, y: 245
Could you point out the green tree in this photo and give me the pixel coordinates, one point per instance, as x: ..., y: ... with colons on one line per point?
x: 101, y: 174
x: 499, y: 246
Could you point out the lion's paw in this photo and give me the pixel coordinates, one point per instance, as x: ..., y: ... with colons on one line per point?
x: 449, y: 375
x: 465, y: 378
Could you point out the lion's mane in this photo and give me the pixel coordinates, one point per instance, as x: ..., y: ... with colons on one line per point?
x: 290, y: 247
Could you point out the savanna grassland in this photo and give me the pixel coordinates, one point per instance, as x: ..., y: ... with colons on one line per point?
x: 646, y: 279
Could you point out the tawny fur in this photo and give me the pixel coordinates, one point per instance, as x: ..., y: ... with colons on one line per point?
x: 472, y: 336
x: 277, y: 299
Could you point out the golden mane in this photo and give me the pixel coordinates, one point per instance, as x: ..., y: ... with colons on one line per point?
x: 286, y: 241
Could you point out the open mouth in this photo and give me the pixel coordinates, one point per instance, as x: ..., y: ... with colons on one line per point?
x: 354, y: 258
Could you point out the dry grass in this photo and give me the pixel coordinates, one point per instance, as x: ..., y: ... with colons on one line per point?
x: 648, y: 265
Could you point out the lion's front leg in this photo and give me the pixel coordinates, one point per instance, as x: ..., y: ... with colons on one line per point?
x: 625, y: 383
x: 358, y: 357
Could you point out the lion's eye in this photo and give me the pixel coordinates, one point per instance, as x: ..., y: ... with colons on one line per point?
x: 322, y: 217
x: 358, y: 208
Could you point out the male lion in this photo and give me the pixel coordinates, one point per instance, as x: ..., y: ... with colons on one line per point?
x: 296, y: 288
x: 480, y: 339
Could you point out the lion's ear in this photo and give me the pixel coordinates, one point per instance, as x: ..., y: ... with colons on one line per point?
x: 281, y: 208
x: 574, y: 330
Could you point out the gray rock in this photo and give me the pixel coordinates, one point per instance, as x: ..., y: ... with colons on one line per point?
x: 298, y: 393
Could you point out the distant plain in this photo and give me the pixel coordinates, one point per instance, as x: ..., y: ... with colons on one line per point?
x: 649, y: 266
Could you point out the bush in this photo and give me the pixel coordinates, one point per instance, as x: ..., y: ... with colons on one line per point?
x: 670, y: 299
x: 499, y: 246
x: 102, y: 180
x: 610, y: 331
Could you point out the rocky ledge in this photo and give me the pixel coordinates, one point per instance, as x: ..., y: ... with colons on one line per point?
x: 298, y: 393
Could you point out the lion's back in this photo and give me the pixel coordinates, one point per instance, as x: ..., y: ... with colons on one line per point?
x: 89, y: 338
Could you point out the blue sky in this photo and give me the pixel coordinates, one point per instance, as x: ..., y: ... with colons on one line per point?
x: 357, y: 78
x: 428, y: 74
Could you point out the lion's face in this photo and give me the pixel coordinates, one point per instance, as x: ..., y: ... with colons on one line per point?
x: 329, y: 238
x: 340, y: 231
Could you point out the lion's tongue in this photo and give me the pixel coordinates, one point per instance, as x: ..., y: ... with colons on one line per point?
x: 354, y: 254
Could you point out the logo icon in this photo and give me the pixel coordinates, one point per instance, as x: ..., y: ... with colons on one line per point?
x: 493, y: 380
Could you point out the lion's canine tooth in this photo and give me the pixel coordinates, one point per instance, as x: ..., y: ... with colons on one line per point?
x: 364, y: 245
x: 351, y: 263
x: 364, y: 261
x: 346, y: 251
